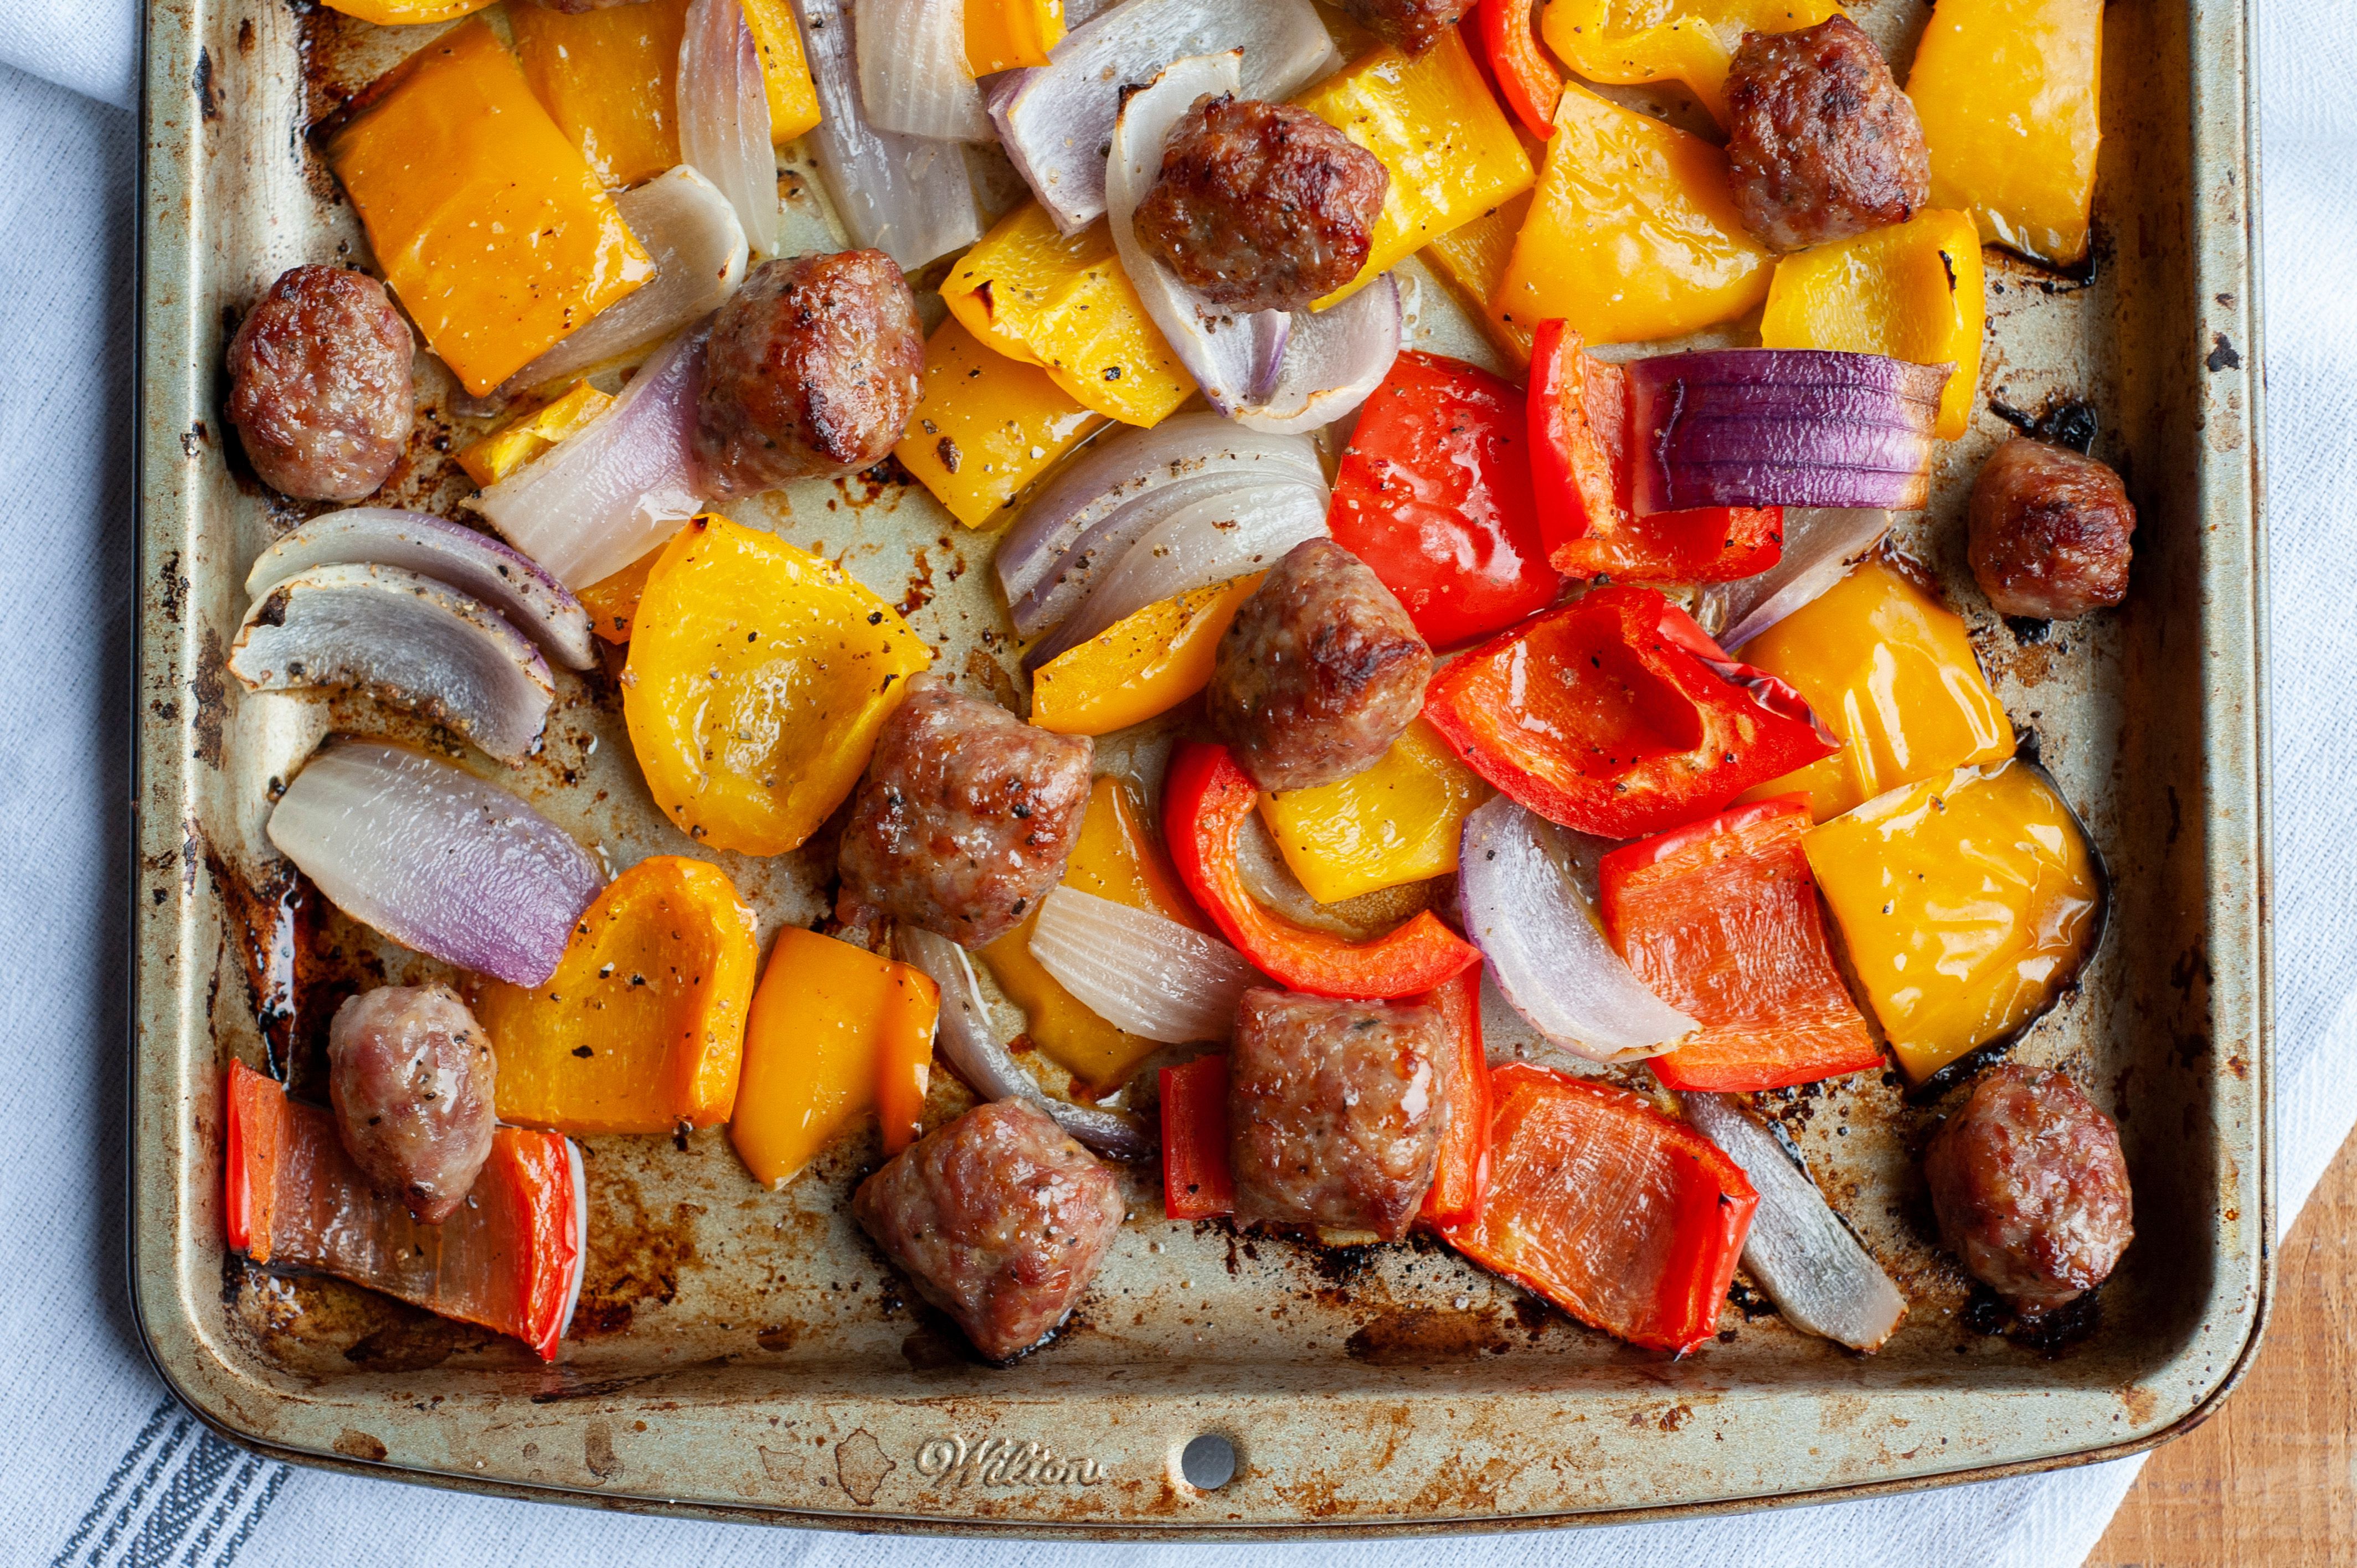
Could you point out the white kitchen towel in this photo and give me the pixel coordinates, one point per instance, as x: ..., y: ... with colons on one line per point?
x: 99, y: 1467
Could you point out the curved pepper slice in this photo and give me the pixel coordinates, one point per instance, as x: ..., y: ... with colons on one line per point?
x: 506, y: 1260
x: 1615, y: 715
x: 642, y: 1025
x: 1526, y: 78
x: 1434, y: 494
x: 1582, y: 480
x: 1143, y: 664
x: 1622, y: 1216
x: 1206, y: 797
x: 1198, y: 1180
x: 1460, y: 1177
x: 1720, y: 919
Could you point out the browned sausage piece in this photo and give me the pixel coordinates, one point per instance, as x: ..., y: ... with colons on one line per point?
x: 1318, y: 673
x: 965, y: 816
x: 319, y: 384
x: 1821, y: 142
x: 2049, y: 532
x: 998, y: 1218
x: 1335, y: 1111
x: 817, y: 363
x: 1260, y: 206
x: 2030, y: 1188
x: 1414, y: 24
x: 412, y: 1078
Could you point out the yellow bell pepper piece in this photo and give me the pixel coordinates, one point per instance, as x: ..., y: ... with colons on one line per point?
x: 613, y: 602
x: 1471, y: 258
x: 1692, y: 41
x: 785, y: 70
x: 1065, y: 305
x: 1001, y: 35
x: 606, y: 77
x: 835, y: 1032
x: 986, y: 427
x: 1395, y: 823
x: 641, y: 1028
x: 1437, y: 126
x: 2009, y: 92
x: 756, y: 687
x: 489, y: 224
x: 407, y: 13
x: 1142, y: 665
x: 1913, y: 290
x: 1633, y: 235
x: 518, y: 442
x: 1890, y: 670
x: 1115, y: 858
x: 1966, y: 901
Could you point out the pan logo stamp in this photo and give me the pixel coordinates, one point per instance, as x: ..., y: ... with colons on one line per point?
x: 1003, y: 1462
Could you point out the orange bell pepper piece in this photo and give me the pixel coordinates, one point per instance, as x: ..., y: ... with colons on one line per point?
x: 1692, y: 41
x: 988, y: 426
x: 518, y: 442
x: 785, y: 69
x: 2009, y: 93
x: 1632, y: 235
x: 607, y: 76
x: 642, y: 1025
x: 835, y: 1032
x: 1472, y: 260
x: 490, y: 224
x: 1652, y: 1273
x: 1396, y: 822
x: 613, y: 602
x: 1002, y: 35
x: 407, y: 13
x: 1142, y: 665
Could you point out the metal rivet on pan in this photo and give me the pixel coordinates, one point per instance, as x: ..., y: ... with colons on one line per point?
x: 1208, y: 1462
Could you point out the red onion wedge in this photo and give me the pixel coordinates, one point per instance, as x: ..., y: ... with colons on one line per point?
x: 912, y: 199
x: 912, y: 72
x: 1820, y: 545
x: 1284, y: 377
x: 1138, y: 970
x: 724, y: 116
x: 1532, y: 911
x: 1054, y: 119
x: 406, y: 640
x: 1230, y: 533
x: 436, y: 858
x: 699, y: 254
x: 465, y: 558
x: 604, y: 497
x: 973, y: 1051
x: 1091, y: 512
x: 1799, y: 1251
x: 1802, y: 428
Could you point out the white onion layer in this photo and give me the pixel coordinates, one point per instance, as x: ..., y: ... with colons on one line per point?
x: 912, y: 70
x: 724, y: 116
x: 909, y: 198
x: 1140, y: 971
x: 1526, y: 908
x: 1799, y: 1251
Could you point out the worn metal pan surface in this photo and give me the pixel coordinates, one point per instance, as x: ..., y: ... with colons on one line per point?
x: 744, y: 1353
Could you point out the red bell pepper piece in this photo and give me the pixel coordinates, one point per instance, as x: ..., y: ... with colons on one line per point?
x: 1618, y: 716
x: 1527, y: 82
x: 1434, y: 494
x: 1197, y: 1181
x: 506, y: 1260
x: 1462, y: 1172
x: 1721, y: 919
x: 1582, y: 480
x: 1206, y: 797
x: 1565, y: 1154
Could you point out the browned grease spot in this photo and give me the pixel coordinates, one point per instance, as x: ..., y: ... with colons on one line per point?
x: 1421, y: 1335
x: 2141, y: 1402
x: 598, y: 1450
x: 354, y: 1443
x: 860, y: 1466
x: 210, y: 695
x: 634, y: 1256
x: 415, y: 1342
x: 777, y: 1336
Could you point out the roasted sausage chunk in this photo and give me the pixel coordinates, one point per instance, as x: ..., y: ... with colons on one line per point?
x: 2030, y: 1188
x: 1318, y: 673
x: 998, y: 1218
x: 965, y: 818
x: 1821, y: 142
x: 319, y: 384
x: 1335, y: 1111
x: 1414, y: 24
x: 2049, y: 530
x: 1260, y: 206
x: 817, y: 363
x: 412, y: 1076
